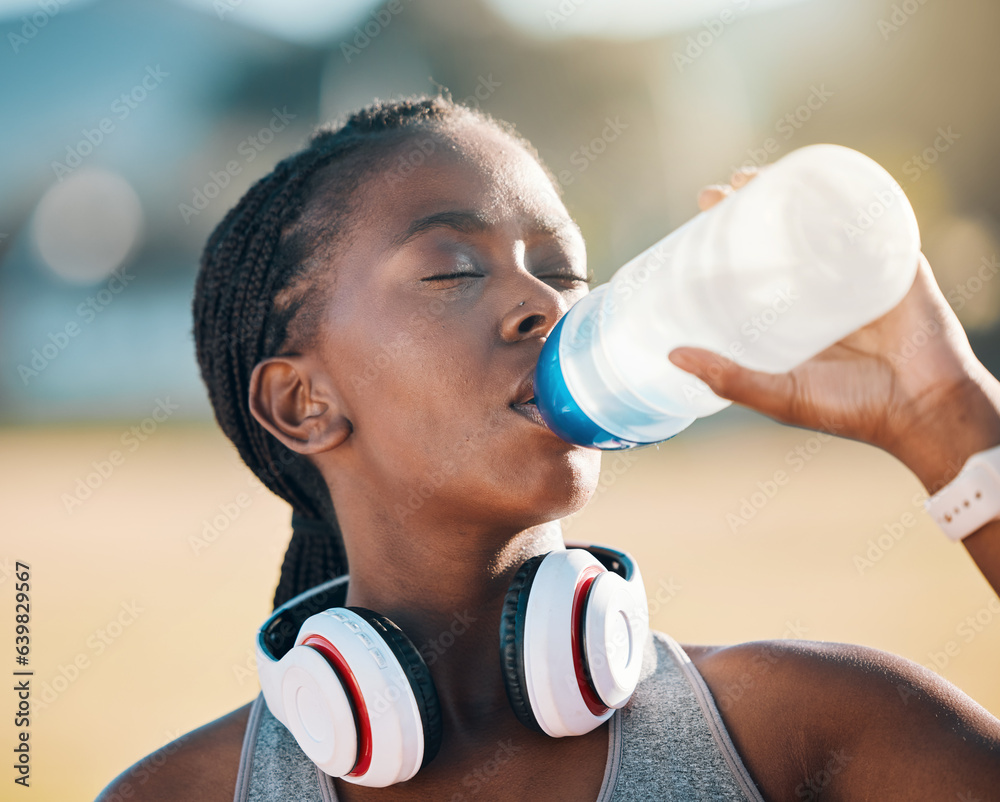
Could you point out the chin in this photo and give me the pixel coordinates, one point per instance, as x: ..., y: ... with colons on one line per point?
x: 566, y: 488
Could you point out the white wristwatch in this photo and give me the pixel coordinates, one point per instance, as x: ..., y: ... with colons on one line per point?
x: 971, y: 499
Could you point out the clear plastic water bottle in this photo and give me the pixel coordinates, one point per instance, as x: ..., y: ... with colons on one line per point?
x: 821, y: 243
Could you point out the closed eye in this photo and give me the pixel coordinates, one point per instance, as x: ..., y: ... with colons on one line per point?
x: 452, y: 275
x: 570, y: 277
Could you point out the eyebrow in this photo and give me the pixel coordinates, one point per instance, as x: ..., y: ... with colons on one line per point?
x: 473, y: 222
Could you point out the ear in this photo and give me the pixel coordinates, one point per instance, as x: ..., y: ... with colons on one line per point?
x: 303, y: 413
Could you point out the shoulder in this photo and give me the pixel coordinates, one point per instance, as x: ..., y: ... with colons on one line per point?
x: 200, y: 766
x: 809, y: 717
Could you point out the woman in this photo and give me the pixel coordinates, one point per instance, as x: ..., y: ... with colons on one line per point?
x: 366, y: 320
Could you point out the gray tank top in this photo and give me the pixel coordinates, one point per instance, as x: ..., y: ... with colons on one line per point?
x: 667, y: 743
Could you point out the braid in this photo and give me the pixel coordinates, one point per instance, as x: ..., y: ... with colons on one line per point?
x: 310, y: 560
x: 255, y: 280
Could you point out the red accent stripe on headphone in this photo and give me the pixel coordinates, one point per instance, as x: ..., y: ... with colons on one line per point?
x: 344, y: 673
x: 592, y: 700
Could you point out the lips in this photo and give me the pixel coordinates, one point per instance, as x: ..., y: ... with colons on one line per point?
x: 529, y: 411
x: 524, y: 401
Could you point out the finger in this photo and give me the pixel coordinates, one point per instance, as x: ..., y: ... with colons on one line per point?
x: 743, y: 176
x: 769, y: 393
x: 711, y: 195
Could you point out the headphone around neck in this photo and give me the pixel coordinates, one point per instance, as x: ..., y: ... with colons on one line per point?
x: 359, y: 699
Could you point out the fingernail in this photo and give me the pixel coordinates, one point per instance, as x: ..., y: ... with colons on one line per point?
x: 682, y: 359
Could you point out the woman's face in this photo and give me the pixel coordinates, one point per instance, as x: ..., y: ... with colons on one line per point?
x: 428, y: 343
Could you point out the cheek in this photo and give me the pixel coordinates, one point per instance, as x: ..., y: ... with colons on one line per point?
x: 414, y: 385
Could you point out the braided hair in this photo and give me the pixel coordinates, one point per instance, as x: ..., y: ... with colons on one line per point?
x: 261, y: 288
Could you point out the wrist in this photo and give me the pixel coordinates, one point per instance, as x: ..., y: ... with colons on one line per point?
x: 961, y: 423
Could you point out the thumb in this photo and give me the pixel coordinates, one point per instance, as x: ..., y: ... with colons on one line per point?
x: 768, y: 393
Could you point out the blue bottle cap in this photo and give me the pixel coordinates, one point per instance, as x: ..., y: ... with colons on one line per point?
x: 560, y: 410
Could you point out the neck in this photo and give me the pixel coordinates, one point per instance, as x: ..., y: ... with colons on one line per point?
x: 444, y: 587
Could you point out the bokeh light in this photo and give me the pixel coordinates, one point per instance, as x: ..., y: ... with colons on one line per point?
x: 628, y: 19
x: 85, y: 226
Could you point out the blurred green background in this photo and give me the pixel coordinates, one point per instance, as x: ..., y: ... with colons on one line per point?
x: 131, y: 128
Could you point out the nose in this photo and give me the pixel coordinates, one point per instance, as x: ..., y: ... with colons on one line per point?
x: 535, y: 315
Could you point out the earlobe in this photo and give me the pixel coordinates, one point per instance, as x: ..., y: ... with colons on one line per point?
x: 287, y: 401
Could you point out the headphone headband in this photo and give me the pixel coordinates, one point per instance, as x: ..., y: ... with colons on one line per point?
x: 617, y: 562
x: 276, y: 636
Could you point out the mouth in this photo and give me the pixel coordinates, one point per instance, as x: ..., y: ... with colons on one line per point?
x: 524, y: 401
x: 529, y: 410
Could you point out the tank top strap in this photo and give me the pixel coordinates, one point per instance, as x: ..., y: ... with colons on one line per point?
x: 273, y: 767
x: 671, y: 740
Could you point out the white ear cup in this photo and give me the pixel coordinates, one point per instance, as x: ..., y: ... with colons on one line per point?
x: 616, y: 627
x: 553, y: 669
x: 584, y: 632
x: 347, y: 701
x: 318, y: 712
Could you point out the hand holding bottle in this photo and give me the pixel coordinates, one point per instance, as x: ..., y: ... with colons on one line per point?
x: 908, y: 382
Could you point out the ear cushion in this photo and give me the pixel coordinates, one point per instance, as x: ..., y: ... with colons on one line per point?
x: 515, y: 605
x: 417, y: 673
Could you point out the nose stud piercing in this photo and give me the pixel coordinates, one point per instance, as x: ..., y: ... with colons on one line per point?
x: 521, y: 304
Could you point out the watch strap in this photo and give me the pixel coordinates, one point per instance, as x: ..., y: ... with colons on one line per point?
x: 971, y: 499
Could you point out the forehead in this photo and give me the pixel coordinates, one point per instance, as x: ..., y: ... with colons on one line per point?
x: 469, y: 166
